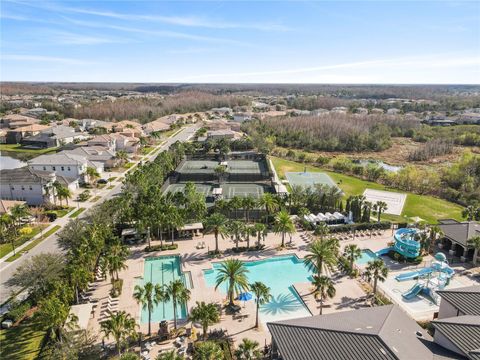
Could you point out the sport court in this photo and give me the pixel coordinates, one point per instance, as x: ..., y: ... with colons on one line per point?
x: 394, y: 201
x: 307, y: 179
x: 229, y: 190
x: 233, y: 167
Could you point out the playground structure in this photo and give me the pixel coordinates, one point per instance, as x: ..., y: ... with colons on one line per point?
x: 406, y: 243
x: 429, y: 279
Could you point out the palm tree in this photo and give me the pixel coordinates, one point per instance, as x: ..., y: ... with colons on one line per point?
x: 235, y: 229
x: 121, y: 326
x: 475, y: 242
x: 64, y: 192
x: 92, y: 174
x: 235, y: 204
x: 170, y: 355
x: 249, y: 230
x: 271, y: 204
x: 234, y: 273
x: 216, y: 223
x: 248, y: 350
x: 121, y: 156
x: 322, y: 255
x: 149, y: 295
x: 352, y: 252
x: 115, y: 258
x: 322, y: 230
x: 248, y: 203
x: 178, y: 294
x: 379, y: 207
x: 434, y: 233
x: 261, y: 231
x: 208, y: 350
x: 376, y: 270
x: 221, y: 172
x: 206, y: 315
x: 17, y: 213
x: 262, y: 295
x: 283, y: 225
x: 324, y: 289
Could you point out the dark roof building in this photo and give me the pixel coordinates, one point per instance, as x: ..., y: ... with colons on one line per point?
x: 383, y: 332
x: 465, y: 300
x: 457, y: 234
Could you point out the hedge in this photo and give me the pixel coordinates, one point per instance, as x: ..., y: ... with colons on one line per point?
x: 164, y: 247
x: 383, y: 225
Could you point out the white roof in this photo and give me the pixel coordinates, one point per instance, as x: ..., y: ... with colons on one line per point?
x: 194, y: 226
x: 217, y: 191
x: 82, y: 312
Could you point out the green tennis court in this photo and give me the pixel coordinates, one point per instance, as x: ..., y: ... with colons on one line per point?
x: 307, y: 179
x: 246, y: 166
x: 198, y: 166
x: 205, y: 189
x: 243, y: 190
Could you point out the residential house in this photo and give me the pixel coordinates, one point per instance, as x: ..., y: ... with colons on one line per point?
x: 456, y: 236
x: 25, y: 184
x: 7, y: 205
x: 35, y: 112
x: 121, y: 126
x: 91, y: 124
x: 382, y: 332
x: 70, y: 166
x: 457, y: 327
x: 95, y: 154
x: 54, y: 137
x: 106, y: 141
x: 128, y: 144
x: 16, y: 136
x: 14, y: 121
x: 155, y: 126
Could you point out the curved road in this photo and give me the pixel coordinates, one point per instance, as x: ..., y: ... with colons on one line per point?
x: 50, y: 243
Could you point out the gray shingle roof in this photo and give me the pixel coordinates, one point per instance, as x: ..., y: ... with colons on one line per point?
x: 383, y: 332
x: 466, y: 299
x: 58, y: 159
x: 460, y: 232
x: 463, y: 332
x: 24, y: 175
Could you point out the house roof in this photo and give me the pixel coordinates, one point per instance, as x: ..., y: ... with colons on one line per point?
x: 459, y: 232
x: 383, y: 332
x: 102, y: 138
x: 61, y: 158
x: 24, y: 175
x: 466, y: 299
x: 32, y: 127
x: 6, y: 205
x: 463, y: 332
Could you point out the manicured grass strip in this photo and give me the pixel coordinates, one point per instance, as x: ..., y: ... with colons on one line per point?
x: 147, y: 150
x: 76, y: 213
x: 128, y: 165
x: 112, y: 178
x: 33, y: 243
x: 7, y: 247
x: 22, y: 342
x: 427, y: 207
x: 19, y: 149
x: 62, y: 212
x: 95, y: 199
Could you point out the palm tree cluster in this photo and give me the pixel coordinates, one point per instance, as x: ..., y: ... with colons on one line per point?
x: 361, y: 209
x: 318, y: 198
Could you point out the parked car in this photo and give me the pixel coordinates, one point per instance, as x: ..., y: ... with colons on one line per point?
x: 102, y: 181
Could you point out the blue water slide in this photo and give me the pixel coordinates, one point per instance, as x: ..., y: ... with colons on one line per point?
x: 384, y: 251
x: 414, y: 274
x: 410, y: 294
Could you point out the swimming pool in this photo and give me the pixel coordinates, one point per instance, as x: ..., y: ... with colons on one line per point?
x: 367, y: 255
x: 162, y: 270
x: 279, y: 273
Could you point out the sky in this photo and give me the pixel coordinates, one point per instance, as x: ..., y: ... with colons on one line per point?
x: 376, y: 42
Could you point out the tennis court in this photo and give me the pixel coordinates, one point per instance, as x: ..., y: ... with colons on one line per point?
x: 198, y: 166
x: 307, y: 179
x: 205, y: 189
x: 246, y: 166
x: 243, y: 190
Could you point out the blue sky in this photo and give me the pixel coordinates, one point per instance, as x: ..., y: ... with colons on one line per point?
x: 246, y: 41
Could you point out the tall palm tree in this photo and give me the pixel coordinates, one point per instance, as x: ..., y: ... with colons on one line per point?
x: 434, y: 233
x: 261, y: 232
x: 324, y: 289
x: 380, y: 207
x: 206, y: 315
x: 208, y: 350
x: 116, y: 257
x: 170, y: 355
x: 121, y: 326
x: 270, y: 203
x: 262, y: 296
x: 234, y: 273
x: 92, y: 174
x: 322, y: 230
x: 64, y: 193
x: 322, y: 255
x: 121, y: 156
x: 178, y: 294
x: 376, y: 270
x: 248, y: 350
x: 235, y: 204
x: 352, y: 252
x: 475, y: 242
x: 149, y: 295
x: 283, y: 225
x: 248, y: 204
x: 221, y: 172
x: 249, y: 230
x: 216, y: 223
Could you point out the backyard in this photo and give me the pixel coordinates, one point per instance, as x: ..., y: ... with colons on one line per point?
x: 426, y: 207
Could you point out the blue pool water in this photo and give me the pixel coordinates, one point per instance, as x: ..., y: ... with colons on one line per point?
x: 162, y: 270
x: 279, y: 273
x: 367, y: 255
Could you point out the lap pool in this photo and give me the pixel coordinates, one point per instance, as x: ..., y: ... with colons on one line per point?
x: 279, y: 273
x: 162, y: 270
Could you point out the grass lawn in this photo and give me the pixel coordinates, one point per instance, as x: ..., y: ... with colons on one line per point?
x: 112, y: 178
x: 96, y: 198
x: 147, y: 150
x: 19, y: 149
x: 7, y: 247
x: 62, y: 212
x: 21, y: 342
x: 427, y: 207
x: 76, y: 213
x: 34, y: 243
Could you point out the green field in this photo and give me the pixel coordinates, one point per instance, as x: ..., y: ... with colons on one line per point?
x: 21, y: 342
x: 427, y: 207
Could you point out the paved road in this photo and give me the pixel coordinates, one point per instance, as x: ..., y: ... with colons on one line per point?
x: 50, y: 243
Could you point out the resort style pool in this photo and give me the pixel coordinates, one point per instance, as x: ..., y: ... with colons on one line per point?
x: 279, y: 273
x: 367, y: 255
x: 162, y: 270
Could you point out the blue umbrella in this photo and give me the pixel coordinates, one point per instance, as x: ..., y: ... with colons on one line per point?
x: 245, y: 296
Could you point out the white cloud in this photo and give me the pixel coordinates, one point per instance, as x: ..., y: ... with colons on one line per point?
x: 48, y: 59
x: 79, y: 39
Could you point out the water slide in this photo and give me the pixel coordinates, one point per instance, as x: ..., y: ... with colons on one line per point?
x: 414, y: 274
x: 384, y: 251
x: 410, y: 294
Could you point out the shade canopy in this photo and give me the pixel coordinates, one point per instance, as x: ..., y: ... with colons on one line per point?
x: 245, y: 296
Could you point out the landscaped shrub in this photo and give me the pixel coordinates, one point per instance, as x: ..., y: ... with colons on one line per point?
x: 163, y: 247
x: 383, y: 225
x: 392, y: 254
x: 25, y: 230
x: 244, y: 248
x: 84, y: 196
x: 17, y: 310
x: 116, y: 288
x: 51, y: 215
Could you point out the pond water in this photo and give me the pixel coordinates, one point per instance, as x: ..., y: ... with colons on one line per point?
x: 7, y: 161
x: 387, y: 167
